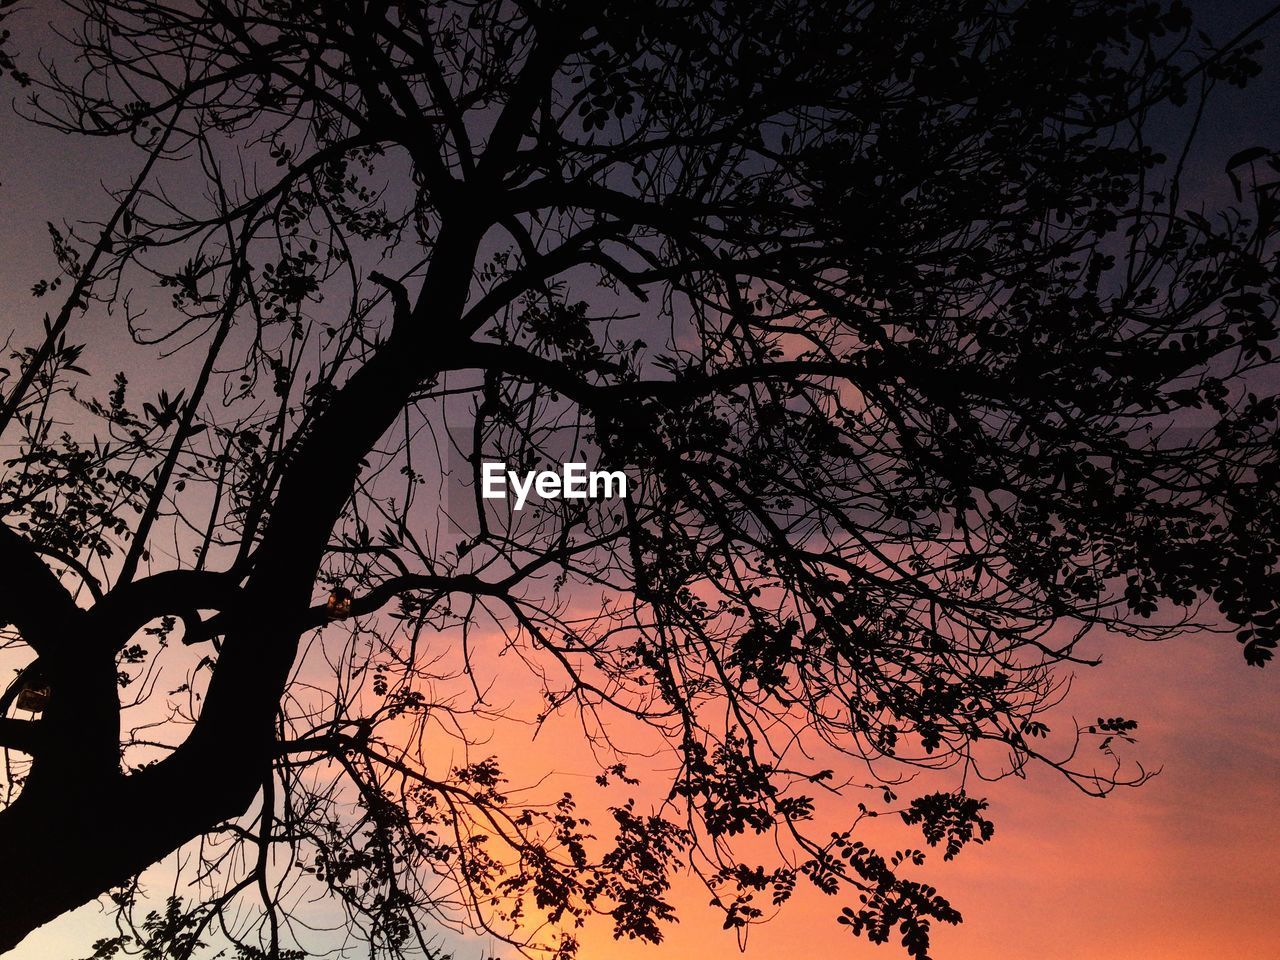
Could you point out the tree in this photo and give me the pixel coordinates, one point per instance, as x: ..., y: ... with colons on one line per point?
x: 887, y: 310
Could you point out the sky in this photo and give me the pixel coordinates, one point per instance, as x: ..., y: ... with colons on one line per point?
x: 1183, y: 867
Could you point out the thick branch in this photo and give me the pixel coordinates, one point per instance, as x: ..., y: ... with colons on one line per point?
x: 32, y: 598
x: 18, y: 734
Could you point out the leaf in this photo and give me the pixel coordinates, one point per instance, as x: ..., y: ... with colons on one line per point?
x: 1239, y: 159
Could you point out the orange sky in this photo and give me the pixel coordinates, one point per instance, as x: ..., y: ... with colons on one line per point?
x: 1183, y: 868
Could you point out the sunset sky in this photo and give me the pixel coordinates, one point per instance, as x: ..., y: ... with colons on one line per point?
x: 1182, y: 868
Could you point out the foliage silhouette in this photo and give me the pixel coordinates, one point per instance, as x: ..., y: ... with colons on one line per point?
x: 918, y: 359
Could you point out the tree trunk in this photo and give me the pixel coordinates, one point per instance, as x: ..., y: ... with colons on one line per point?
x: 65, y: 841
x: 80, y: 827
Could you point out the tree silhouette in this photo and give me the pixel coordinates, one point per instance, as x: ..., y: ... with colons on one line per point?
x: 889, y: 311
